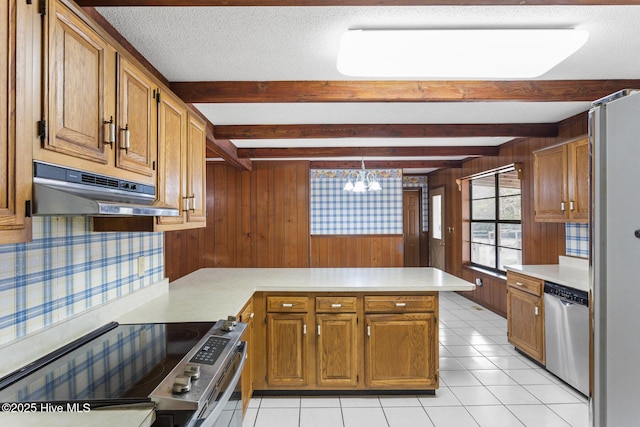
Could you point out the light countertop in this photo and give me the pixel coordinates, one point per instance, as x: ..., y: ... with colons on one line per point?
x: 569, y: 272
x: 214, y: 293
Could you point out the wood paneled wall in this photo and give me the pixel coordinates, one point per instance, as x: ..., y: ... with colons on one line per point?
x: 357, y: 251
x: 254, y: 219
x: 542, y: 242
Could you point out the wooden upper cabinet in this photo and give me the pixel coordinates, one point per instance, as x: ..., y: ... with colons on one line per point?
x: 15, y: 129
x: 196, y: 171
x: 561, y: 180
x: 578, y: 153
x: 77, y: 101
x: 172, y: 156
x: 550, y: 183
x: 137, y: 119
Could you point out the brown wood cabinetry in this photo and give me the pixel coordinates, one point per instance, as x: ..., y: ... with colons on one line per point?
x: 80, y: 87
x: 287, y: 342
x: 401, y: 344
x: 246, y: 315
x: 196, y: 171
x: 561, y: 175
x: 394, y: 348
x: 137, y: 119
x: 525, y: 314
x: 15, y: 130
x: 336, y: 342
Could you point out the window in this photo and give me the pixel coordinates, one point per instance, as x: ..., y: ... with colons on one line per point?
x: 495, y: 221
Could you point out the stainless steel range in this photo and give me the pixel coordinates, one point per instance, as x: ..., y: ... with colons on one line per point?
x: 189, y: 372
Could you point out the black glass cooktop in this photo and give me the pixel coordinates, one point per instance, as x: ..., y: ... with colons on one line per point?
x: 124, y: 362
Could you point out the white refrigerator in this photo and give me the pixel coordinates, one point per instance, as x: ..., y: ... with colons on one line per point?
x: 614, y: 135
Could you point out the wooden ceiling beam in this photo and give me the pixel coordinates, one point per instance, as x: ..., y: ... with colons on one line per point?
x: 398, y: 90
x: 353, y: 2
x: 387, y: 164
x: 531, y: 130
x: 226, y: 150
x: 311, y: 152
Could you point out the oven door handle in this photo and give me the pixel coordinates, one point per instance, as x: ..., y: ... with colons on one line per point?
x: 211, y: 417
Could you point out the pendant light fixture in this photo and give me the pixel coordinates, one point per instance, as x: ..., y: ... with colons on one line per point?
x: 362, y: 181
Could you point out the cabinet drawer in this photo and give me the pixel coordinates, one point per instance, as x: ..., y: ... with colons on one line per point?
x: 525, y: 283
x: 399, y: 304
x: 335, y: 304
x: 287, y: 304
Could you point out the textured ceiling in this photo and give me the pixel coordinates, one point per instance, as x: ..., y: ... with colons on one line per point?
x: 300, y: 43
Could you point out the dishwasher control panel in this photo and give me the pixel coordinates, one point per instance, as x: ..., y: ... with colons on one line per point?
x: 566, y: 293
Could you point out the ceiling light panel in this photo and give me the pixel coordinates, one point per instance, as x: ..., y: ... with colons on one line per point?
x: 470, y: 54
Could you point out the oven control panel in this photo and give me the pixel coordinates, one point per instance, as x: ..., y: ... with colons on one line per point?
x: 196, y: 375
x: 210, y: 351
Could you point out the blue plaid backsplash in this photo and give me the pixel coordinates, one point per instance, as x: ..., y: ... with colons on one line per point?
x: 422, y: 182
x: 67, y: 269
x: 577, y: 236
x: 334, y: 211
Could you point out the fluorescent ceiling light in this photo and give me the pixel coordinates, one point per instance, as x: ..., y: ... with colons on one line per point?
x: 509, y: 53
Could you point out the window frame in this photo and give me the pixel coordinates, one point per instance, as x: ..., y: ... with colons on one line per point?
x: 496, y: 221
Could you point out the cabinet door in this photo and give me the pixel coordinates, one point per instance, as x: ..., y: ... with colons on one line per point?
x: 525, y: 323
x: 401, y: 350
x: 15, y: 136
x: 137, y: 116
x: 247, y: 316
x: 196, y: 169
x: 578, y: 153
x: 550, y: 187
x: 336, y: 350
x: 172, y: 156
x: 286, y: 349
x: 77, y: 99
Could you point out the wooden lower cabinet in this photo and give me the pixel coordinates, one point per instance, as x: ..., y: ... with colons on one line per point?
x: 525, y: 315
x: 400, y: 350
x: 332, y: 341
x: 337, y: 350
x: 246, y: 315
x: 287, y: 349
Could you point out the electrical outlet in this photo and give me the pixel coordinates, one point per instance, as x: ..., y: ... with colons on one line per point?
x: 478, y: 281
x: 141, y: 266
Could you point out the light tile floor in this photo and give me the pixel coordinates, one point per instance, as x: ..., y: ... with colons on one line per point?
x: 483, y: 382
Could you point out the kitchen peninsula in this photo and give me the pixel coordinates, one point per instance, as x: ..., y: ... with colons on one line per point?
x: 321, y: 329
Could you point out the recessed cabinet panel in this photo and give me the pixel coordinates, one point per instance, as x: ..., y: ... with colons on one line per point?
x: 400, y: 350
x: 15, y: 132
x: 172, y: 137
x: 137, y: 121
x: 77, y: 73
x: 336, y: 353
x: 286, y: 347
x: 196, y: 169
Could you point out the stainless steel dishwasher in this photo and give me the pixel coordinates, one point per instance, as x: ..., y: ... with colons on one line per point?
x: 566, y: 334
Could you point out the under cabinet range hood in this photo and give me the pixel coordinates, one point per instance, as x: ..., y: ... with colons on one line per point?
x: 62, y: 191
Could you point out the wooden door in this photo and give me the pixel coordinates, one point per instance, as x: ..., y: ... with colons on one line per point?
x: 196, y: 169
x: 15, y: 131
x: 550, y: 187
x: 412, y: 225
x: 578, y: 153
x: 286, y: 349
x: 436, y: 228
x: 401, y: 350
x: 525, y: 322
x: 172, y: 156
x: 77, y: 98
x: 137, y: 115
x: 336, y: 350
